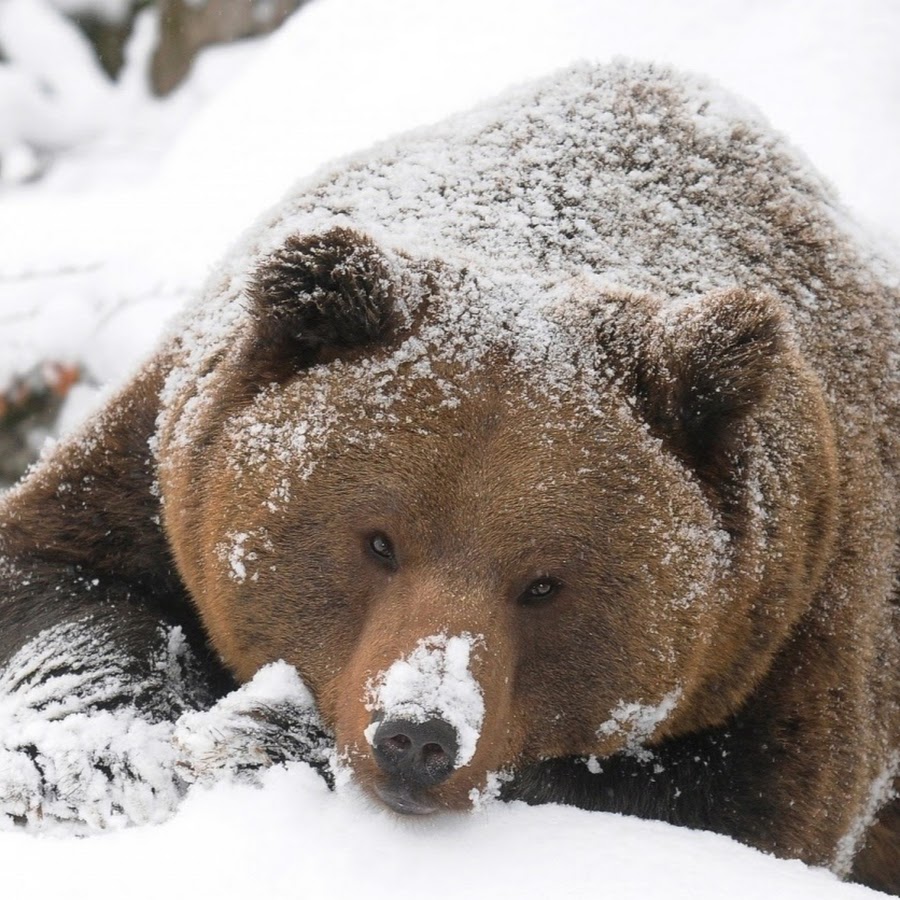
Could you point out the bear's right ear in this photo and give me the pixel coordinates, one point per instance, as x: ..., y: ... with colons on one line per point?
x: 316, y: 296
x: 716, y: 364
x: 698, y: 372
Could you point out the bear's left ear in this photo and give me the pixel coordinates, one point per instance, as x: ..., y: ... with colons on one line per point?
x: 715, y: 364
x: 318, y: 295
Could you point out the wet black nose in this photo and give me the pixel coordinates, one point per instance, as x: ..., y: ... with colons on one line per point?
x: 418, y: 753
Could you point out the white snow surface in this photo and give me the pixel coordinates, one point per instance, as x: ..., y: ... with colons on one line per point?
x: 125, y: 226
x: 433, y: 682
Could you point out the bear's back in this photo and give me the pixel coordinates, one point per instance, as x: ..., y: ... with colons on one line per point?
x: 632, y: 176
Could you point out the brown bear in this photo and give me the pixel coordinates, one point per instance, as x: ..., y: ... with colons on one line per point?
x: 555, y: 446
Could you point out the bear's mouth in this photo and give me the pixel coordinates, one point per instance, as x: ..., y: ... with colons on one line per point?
x: 405, y: 798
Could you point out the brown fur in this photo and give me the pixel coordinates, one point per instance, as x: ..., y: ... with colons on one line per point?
x: 711, y: 485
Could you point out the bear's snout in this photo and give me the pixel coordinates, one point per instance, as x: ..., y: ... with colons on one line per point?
x: 418, y: 754
x: 420, y: 720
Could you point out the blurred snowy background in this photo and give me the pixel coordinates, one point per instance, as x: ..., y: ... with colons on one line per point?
x: 137, y: 139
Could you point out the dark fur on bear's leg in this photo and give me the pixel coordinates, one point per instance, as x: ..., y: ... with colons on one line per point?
x: 680, y: 783
x: 98, y: 651
x: 81, y: 540
x: 85, y: 723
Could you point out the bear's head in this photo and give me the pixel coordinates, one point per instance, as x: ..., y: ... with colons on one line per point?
x: 489, y: 532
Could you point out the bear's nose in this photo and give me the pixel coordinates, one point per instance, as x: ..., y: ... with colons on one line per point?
x: 418, y: 753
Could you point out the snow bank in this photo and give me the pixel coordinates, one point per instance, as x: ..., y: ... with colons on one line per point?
x: 52, y: 88
x: 294, y: 839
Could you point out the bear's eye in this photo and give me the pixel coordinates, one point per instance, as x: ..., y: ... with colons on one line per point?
x: 382, y: 549
x: 540, y: 590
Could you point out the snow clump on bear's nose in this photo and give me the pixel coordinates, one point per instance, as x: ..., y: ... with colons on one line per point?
x: 432, y: 682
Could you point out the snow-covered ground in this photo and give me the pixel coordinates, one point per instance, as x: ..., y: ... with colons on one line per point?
x: 294, y: 839
x: 147, y: 196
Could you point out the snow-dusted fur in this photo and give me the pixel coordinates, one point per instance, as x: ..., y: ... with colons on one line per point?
x: 86, y: 745
x: 687, y: 357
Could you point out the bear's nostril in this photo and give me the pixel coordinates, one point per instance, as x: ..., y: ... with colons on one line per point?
x: 396, y: 746
x: 418, y: 753
x: 435, y: 760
